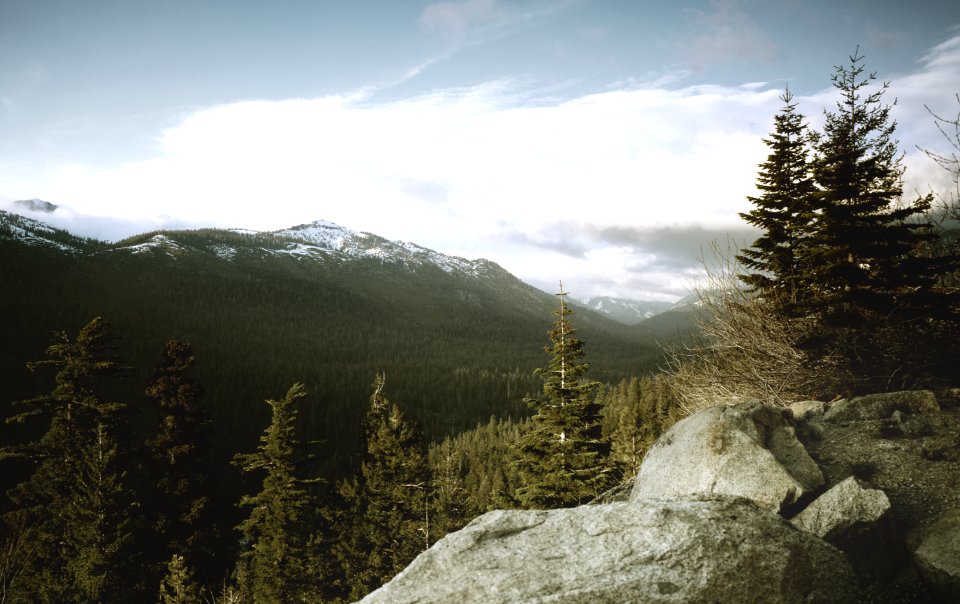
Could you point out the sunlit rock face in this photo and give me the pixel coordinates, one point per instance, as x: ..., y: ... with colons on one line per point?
x: 748, y: 450
x: 699, y: 550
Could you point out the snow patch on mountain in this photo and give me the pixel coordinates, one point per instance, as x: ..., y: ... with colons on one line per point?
x: 225, y: 251
x: 351, y: 244
x: 157, y: 242
x: 32, y: 232
x: 320, y: 233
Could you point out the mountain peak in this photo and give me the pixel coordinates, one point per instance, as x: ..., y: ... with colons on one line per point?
x: 35, y: 205
x: 321, y: 233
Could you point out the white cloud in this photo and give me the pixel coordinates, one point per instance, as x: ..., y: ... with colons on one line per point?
x: 450, y: 169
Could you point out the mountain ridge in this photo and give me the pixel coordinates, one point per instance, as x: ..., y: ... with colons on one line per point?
x: 335, y: 239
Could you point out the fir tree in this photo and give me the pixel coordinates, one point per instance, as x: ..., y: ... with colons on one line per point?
x: 278, y: 528
x: 874, y: 289
x: 562, y: 458
x: 84, y: 513
x: 784, y: 211
x: 862, y: 256
x: 180, y: 454
x: 449, y: 493
x: 632, y: 435
x: 393, y: 494
x: 102, y: 530
x: 178, y: 586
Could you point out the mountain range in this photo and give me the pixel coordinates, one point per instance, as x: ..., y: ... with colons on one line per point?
x: 628, y: 312
x: 316, y: 303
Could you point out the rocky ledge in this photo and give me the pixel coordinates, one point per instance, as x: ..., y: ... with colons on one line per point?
x: 854, y: 500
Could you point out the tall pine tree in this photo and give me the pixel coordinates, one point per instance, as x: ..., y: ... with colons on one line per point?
x: 390, y: 499
x: 181, y: 461
x: 876, y: 291
x: 863, y: 256
x: 562, y: 460
x: 78, y: 497
x: 279, y: 526
x: 784, y: 211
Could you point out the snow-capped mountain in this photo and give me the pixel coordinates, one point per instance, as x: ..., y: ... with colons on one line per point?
x: 629, y: 312
x: 319, y: 240
x: 317, y: 246
x: 329, y: 237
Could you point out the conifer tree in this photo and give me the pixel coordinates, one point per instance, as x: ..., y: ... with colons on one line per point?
x: 633, y: 434
x: 862, y: 255
x: 449, y: 493
x: 876, y: 292
x: 784, y: 211
x: 178, y: 586
x: 101, y: 533
x: 77, y: 497
x: 562, y: 458
x: 278, y: 528
x: 180, y: 452
x: 393, y: 493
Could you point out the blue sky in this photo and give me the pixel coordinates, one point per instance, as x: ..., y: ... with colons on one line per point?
x: 600, y: 142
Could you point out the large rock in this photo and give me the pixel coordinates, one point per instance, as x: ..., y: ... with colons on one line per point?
x: 881, y: 406
x: 747, y: 450
x: 706, y: 550
x: 937, y: 554
x: 843, y: 511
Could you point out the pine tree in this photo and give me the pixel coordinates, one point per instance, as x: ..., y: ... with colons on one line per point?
x: 633, y: 434
x: 180, y: 452
x: 449, y: 493
x: 784, y: 211
x: 392, y: 496
x: 278, y: 528
x: 178, y: 586
x: 874, y: 289
x: 101, y: 533
x: 862, y: 255
x: 562, y: 458
x: 78, y: 497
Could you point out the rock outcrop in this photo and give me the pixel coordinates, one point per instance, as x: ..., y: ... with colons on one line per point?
x: 705, y: 519
x: 749, y: 450
x: 698, y: 550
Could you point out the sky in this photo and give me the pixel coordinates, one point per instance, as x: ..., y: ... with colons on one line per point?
x: 606, y: 143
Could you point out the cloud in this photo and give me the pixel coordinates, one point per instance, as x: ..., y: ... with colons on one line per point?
x: 605, y: 191
x: 449, y: 169
x: 622, y: 260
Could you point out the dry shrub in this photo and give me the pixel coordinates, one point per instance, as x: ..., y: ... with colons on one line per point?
x: 745, y: 350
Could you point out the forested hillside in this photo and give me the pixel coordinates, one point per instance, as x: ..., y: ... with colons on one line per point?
x: 156, y: 436
x: 318, y: 304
